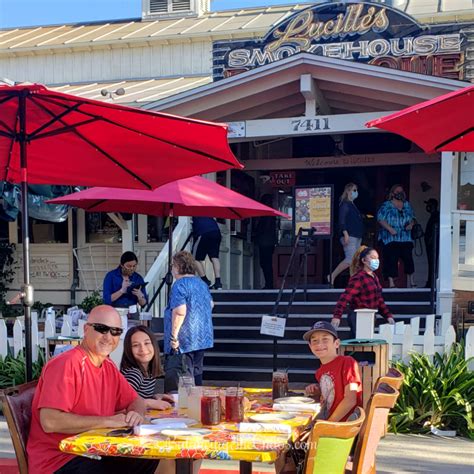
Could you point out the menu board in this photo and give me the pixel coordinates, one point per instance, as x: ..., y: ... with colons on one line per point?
x: 313, y: 208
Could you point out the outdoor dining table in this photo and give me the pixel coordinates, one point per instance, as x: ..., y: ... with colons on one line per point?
x: 223, y: 443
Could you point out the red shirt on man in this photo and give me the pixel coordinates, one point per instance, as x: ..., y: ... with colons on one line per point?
x: 72, y: 384
x: 333, y: 378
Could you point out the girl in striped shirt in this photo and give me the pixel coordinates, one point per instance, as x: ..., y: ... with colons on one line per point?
x: 141, y: 366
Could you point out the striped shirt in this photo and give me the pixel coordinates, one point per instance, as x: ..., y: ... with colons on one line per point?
x: 144, y: 386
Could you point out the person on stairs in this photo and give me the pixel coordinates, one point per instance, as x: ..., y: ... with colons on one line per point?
x: 206, y: 242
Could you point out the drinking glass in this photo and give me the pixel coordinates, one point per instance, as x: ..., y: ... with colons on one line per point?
x: 210, y: 407
x: 280, y: 384
x: 234, y: 404
x: 185, y: 383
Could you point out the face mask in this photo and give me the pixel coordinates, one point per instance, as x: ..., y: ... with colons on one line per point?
x: 127, y: 271
x: 399, y: 196
x: 374, y: 264
x: 355, y: 195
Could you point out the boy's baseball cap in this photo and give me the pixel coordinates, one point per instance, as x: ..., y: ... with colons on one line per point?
x: 321, y: 326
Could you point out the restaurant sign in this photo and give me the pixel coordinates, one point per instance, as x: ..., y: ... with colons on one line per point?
x: 282, y: 178
x: 363, y: 31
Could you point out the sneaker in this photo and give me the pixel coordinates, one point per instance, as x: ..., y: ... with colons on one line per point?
x: 216, y: 286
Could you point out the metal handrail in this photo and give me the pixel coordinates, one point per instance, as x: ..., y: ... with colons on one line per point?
x: 303, y: 265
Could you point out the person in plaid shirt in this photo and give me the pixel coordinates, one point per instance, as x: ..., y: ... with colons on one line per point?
x: 363, y: 291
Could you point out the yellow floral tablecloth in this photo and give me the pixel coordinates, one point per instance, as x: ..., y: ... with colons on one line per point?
x: 223, y: 443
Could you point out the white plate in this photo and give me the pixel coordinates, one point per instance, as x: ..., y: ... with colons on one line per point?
x: 294, y: 400
x: 263, y: 417
x: 186, y: 432
x: 186, y: 421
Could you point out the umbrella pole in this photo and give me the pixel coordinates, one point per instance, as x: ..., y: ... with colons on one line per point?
x: 169, y: 275
x: 27, y: 290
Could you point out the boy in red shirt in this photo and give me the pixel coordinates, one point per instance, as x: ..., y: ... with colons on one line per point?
x: 338, y: 377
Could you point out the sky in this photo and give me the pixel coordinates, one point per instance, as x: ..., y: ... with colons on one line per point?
x: 49, y: 12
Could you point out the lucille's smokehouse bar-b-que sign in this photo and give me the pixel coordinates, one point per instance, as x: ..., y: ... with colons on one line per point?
x: 362, y: 31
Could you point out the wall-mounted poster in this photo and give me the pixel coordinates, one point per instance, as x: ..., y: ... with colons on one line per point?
x: 313, y: 208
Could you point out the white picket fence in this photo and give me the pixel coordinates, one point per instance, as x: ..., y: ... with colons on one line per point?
x: 39, y: 338
x: 404, y: 339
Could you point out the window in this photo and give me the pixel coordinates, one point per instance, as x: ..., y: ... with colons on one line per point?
x: 44, y: 232
x: 466, y: 182
x: 169, y: 6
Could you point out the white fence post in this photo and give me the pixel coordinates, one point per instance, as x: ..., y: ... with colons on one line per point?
x: 450, y: 339
x: 365, y: 323
x: 3, y: 339
x: 415, y: 326
x: 429, y: 342
x: 407, y: 344
x: 445, y: 323
x: 17, y: 337
x: 386, y: 333
x: 470, y: 346
x: 34, y: 336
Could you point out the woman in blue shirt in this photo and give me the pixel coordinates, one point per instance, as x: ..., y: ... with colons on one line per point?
x: 123, y: 286
x: 351, y: 228
x: 396, y: 217
x: 188, y: 328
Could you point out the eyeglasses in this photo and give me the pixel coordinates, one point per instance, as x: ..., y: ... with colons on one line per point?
x: 104, y: 329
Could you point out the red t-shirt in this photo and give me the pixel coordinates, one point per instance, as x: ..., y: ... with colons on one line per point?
x: 71, y: 383
x: 333, y: 378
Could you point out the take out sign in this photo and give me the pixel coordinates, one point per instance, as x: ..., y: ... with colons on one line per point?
x: 283, y: 178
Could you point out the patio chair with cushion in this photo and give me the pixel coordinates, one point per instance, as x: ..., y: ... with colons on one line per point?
x: 330, y: 443
x: 382, y: 400
x: 16, y: 403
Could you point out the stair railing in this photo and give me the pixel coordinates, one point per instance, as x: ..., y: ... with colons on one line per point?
x: 157, y: 274
x: 307, y: 235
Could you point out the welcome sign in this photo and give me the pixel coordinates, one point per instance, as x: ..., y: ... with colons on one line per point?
x: 361, y: 31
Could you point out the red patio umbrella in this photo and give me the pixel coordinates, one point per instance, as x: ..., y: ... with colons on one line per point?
x: 54, y: 138
x: 194, y: 196
x: 445, y: 123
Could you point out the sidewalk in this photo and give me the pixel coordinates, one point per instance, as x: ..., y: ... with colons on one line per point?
x: 401, y: 454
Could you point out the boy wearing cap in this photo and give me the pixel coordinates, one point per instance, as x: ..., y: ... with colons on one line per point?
x: 338, y: 377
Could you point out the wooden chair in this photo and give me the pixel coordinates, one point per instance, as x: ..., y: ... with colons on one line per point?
x: 380, y: 403
x: 330, y: 444
x: 393, y: 377
x: 16, y: 403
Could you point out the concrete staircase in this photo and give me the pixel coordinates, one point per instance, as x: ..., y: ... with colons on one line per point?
x: 242, y: 353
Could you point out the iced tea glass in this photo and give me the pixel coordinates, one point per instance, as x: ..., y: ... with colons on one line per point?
x: 280, y: 384
x: 210, y: 407
x: 234, y: 404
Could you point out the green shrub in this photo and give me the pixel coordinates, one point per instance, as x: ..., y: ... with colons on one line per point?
x: 91, y: 301
x: 12, y: 369
x: 438, y: 393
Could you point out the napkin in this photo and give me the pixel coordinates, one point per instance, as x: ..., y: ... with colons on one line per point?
x: 264, y: 428
x: 311, y: 407
x: 148, y: 430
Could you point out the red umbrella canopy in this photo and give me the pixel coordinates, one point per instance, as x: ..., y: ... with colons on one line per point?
x: 445, y: 123
x: 194, y: 196
x: 77, y: 141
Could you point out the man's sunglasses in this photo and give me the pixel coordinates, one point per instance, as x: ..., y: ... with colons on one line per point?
x: 104, y: 329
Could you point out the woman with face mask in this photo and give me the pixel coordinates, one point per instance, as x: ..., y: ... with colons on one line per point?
x: 123, y: 286
x: 396, y: 219
x: 363, y: 291
x: 351, y: 229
